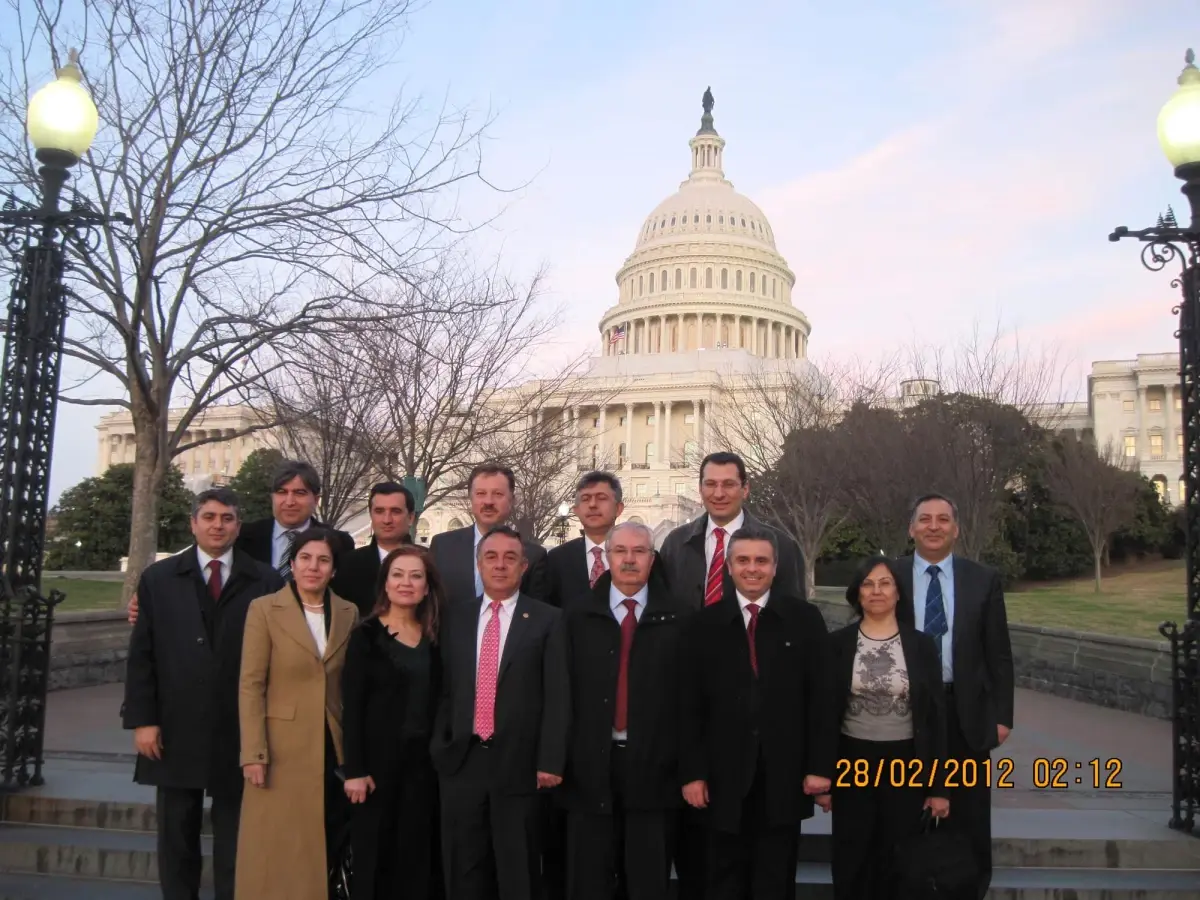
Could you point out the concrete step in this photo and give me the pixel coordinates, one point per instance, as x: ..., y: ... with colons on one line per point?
x: 37, y: 809
x: 813, y: 882
x: 41, y: 887
x: 107, y: 854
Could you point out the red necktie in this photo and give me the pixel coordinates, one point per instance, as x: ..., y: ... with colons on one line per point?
x: 712, y: 590
x: 597, y: 566
x: 628, y: 624
x: 751, y: 631
x: 214, y: 579
x: 485, y: 680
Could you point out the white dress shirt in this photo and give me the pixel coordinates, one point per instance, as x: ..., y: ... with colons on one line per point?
x: 744, y: 602
x: 616, y: 601
x: 280, y: 543
x: 590, y: 545
x: 921, y: 582
x: 710, y: 539
x: 507, y: 608
x: 226, y: 560
x: 316, y: 625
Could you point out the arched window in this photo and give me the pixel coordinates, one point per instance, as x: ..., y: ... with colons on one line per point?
x: 772, y: 288
x: 652, y: 282
x: 708, y: 219
x: 679, y: 279
x: 665, y: 282
x: 672, y: 220
x: 692, y: 277
x: 642, y: 285
x: 454, y: 523
x: 708, y: 278
x: 720, y: 220
x: 738, y: 280
x: 743, y: 223
x: 696, y: 219
x: 752, y: 282
x: 724, y: 279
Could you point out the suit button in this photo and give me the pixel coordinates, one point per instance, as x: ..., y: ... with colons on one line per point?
x: 199, y: 640
x: 260, y: 756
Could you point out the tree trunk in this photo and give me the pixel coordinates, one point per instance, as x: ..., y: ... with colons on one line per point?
x: 1098, y: 553
x: 149, y: 473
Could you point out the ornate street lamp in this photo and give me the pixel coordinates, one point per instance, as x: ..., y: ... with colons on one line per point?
x: 61, y: 125
x: 1169, y: 242
x: 564, y: 519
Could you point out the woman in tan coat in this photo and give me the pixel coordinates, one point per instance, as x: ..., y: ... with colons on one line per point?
x: 290, y: 706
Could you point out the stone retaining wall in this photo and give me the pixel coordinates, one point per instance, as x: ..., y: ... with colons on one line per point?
x: 1129, y: 674
x: 1123, y: 673
x: 88, y: 648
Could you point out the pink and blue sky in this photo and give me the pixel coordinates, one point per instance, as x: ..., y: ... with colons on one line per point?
x: 926, y: 165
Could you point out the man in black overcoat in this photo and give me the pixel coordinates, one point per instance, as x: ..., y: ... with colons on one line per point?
x: 491, y: 488
x: 500, y: 733
x: 758, y: 730
x: 960, y: 603
x: 181, y: 692
x: 621, y: 789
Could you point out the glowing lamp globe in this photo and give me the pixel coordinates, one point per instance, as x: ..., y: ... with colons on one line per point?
x: 62, y: 115
x: 1179, y: 119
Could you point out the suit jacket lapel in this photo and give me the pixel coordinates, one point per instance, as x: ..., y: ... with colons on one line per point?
x: 291, y: 619
x: 341, y: 621
x: 518, y: 628
x: 905, y: 564
x: 581, y: 575
x: 964, y: 604
x: 242, y: 569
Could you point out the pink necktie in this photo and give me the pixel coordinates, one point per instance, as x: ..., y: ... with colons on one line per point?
x: 597, y: 566
x: 485, y: 680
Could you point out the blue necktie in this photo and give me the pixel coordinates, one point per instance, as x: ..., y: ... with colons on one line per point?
x: 935, y: 609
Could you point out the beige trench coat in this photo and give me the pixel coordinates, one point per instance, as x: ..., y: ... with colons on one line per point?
x: 287, y: 695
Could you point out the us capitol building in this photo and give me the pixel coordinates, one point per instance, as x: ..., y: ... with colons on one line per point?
x: 704, y: 303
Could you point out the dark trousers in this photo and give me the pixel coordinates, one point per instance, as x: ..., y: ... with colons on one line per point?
x: 869, y: 821
x: 554, y: 848
x: 393, y: 833
x: 180, y: 811
x: 970, y: 807
x: 337, y: 810
x: 491, y: 842
x: 758, y: 862
x: 624, y: 854
x: 690, y: 852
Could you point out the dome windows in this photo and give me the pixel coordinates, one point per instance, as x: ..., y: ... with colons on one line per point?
x: 672, y: 220
x: 737, y: 278
x: 665, y: 283
x: 720, y: 220
x: 696, y: 219
x: 724, y: 279
x: 679, y: 279
x: 708, y: 219
x: 708, y: 278
x: 652, y: 282
x: 752, y: 282
x: 692, y: 278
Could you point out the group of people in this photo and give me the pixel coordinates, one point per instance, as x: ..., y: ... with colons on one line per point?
x: 485, y: 720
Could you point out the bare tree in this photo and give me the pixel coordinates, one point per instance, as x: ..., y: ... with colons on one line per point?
x: 1096, y: 486
x: 265, y: 201
x: 320, y: 407
x: 453, y: 389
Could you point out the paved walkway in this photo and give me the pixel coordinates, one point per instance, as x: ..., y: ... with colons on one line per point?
x: 89, y: 756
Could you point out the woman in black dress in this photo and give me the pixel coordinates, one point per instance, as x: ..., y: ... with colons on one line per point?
x: 389, y: 686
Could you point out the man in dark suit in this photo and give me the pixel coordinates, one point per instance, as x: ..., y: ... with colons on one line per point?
x: 694, y: 556
x: 622, y: 783
x: 758, y: 733
x: 695, y: 552
x: 574, y: 567
x: 181, y: 692
x: 960, y: 603
x: 500, y: 733
x: 391, y: 507
x: 490, y: 488
x: 295, y: 491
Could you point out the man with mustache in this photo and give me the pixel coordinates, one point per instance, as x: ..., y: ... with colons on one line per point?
x: 490, y: 487
x: 181, y: 692
x: 621, y: 787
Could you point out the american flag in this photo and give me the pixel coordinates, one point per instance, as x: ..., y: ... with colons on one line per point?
x: 617, y: 334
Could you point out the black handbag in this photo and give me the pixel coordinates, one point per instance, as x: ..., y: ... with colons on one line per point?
x: 936, y: 863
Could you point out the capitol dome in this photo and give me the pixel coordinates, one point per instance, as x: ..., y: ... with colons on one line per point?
x: 705, y: 273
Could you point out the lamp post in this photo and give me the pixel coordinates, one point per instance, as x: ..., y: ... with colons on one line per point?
x: 1171, y: 243
x: 61, y: 124
x: 564, y: 518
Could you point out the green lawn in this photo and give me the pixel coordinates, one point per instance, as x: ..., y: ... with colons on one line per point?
x: 1134, y: 601
x: 82, y: 595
